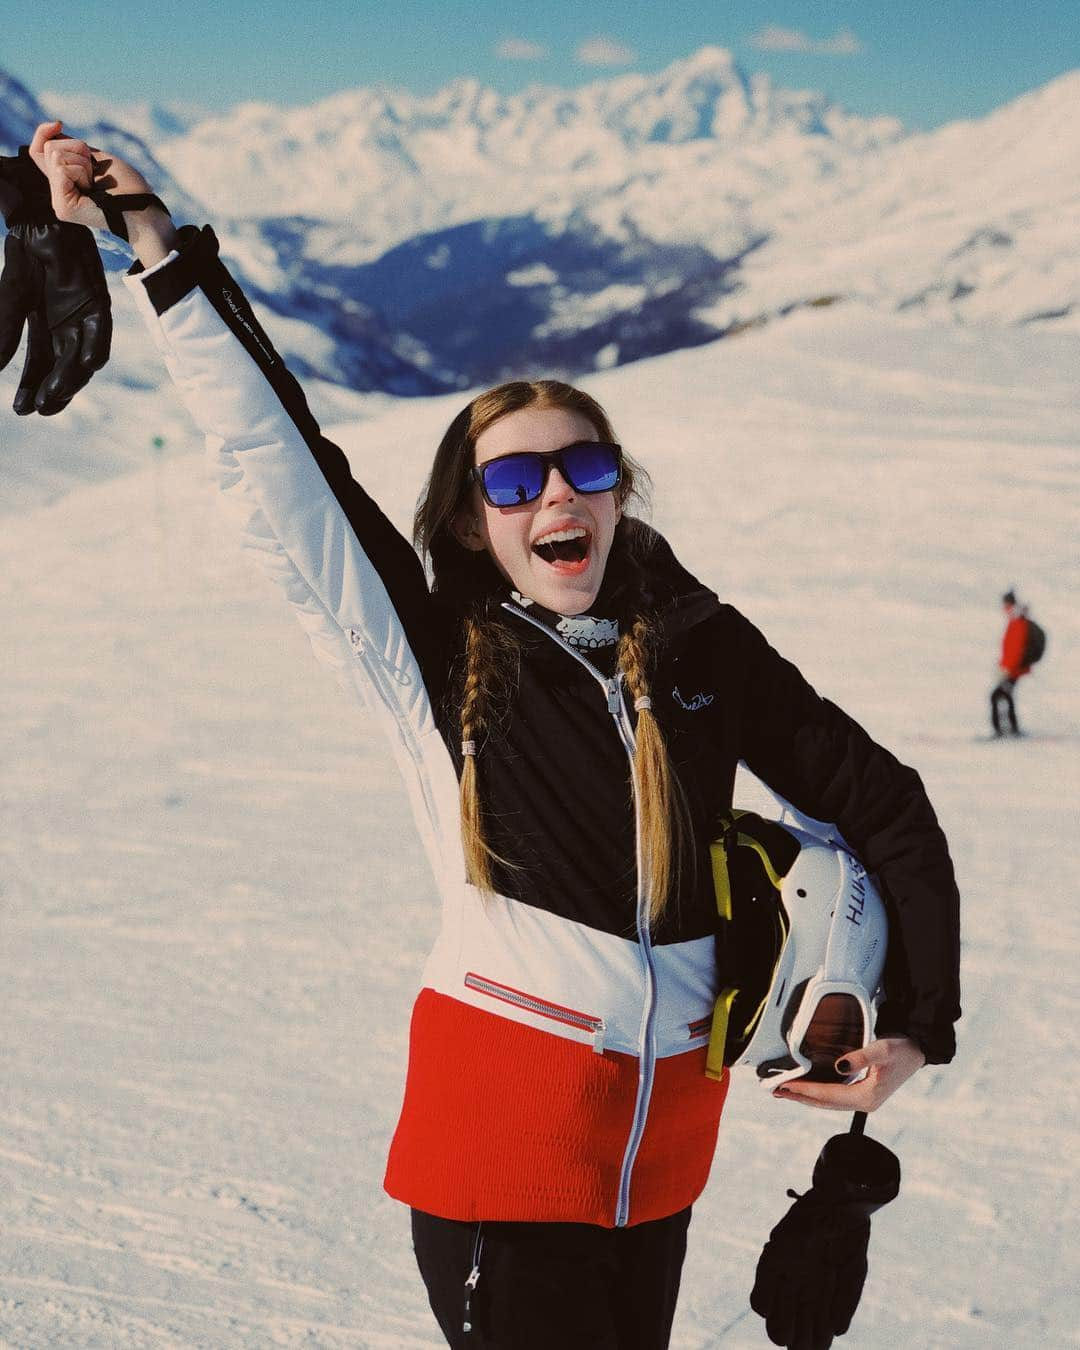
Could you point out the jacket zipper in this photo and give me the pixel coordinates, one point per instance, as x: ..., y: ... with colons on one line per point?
x: 616, y: 706
x: 568, y: 1016
x: 473, y: 1279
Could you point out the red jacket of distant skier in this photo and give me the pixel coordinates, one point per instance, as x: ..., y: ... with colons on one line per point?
x: 1013, y: 646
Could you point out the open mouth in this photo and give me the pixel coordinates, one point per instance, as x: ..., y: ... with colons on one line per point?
x: 564, y: 549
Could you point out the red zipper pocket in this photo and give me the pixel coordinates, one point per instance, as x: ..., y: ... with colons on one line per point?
x: 569, y: 1017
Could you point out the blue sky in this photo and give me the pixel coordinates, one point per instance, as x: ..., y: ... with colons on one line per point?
x: 925, y: 62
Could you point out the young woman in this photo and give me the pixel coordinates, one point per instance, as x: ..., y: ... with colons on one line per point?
x: 568, y: 706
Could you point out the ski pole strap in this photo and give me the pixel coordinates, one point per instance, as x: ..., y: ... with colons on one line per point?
x: 115, y: 206
x: 858, y: 1123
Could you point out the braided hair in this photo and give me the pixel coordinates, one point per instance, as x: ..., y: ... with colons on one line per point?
x: 490, y: 669
x: 665, y: 818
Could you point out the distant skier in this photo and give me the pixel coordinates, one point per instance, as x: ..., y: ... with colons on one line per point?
x: 1021, y: 646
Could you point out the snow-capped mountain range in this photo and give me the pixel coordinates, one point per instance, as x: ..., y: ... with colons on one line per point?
x: 446, y: 241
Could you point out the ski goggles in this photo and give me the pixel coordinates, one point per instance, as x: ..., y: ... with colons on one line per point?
x: 513, y: 480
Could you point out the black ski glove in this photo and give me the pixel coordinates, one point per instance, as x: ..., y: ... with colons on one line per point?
x: 53, y: 282
x: 811, y: 1274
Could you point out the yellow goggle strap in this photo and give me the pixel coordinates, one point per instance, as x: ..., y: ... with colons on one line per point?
x: 721, y: 879
x: 721, y: 876
x: 714, y: 1060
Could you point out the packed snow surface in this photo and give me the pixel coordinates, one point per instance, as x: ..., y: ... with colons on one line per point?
x: 215, y: 908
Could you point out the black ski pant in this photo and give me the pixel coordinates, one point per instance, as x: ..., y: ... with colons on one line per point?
x: 1002, y: 697
x: 552, y: 1286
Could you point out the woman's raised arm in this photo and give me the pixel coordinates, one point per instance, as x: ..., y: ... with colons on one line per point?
x: 321, y: 535
x: 355, y: 583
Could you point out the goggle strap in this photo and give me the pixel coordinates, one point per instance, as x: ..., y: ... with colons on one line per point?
x: 721, y: 877
x: 715, y: 1060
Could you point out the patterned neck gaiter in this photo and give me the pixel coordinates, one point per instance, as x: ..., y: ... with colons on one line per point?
x: 585, y: 632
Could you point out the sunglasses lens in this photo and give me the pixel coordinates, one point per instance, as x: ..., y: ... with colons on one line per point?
x: 592, y: 466
x: 514, y: 479
x: 835, y: 1028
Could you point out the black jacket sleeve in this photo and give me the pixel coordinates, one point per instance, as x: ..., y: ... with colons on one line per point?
x: 822, y: 762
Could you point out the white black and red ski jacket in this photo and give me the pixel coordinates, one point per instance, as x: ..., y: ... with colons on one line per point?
x: 556, y: 1067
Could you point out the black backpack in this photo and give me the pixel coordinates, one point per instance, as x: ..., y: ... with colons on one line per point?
x: 1035, y: 643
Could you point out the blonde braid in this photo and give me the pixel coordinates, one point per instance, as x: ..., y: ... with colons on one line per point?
x: 665, y: 819
x: 488, y: 657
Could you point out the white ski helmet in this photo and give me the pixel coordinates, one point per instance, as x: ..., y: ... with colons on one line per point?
x: 816, y: 966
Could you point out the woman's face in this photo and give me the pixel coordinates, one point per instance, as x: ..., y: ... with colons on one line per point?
x: 515, y: 535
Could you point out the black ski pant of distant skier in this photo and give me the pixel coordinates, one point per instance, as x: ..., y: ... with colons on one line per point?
x: 552, y: 1286
x: 1002, y: 697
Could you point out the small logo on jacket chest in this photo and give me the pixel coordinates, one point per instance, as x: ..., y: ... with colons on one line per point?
x: 695, y: 704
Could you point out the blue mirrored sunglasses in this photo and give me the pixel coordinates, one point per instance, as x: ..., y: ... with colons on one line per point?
x: 513, y: 480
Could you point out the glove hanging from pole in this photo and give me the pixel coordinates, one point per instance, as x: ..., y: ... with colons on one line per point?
x: 53, y: 284
x: 811, y: 1273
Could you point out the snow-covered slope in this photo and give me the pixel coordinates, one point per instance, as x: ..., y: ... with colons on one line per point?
x: 94, y: 438
x: 215, y: 915
x: 976, y: 222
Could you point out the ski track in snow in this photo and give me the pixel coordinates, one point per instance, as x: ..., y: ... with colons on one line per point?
x: 214, y: 917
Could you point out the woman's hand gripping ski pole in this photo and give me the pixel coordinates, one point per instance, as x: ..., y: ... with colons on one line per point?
x: 53, y: 284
